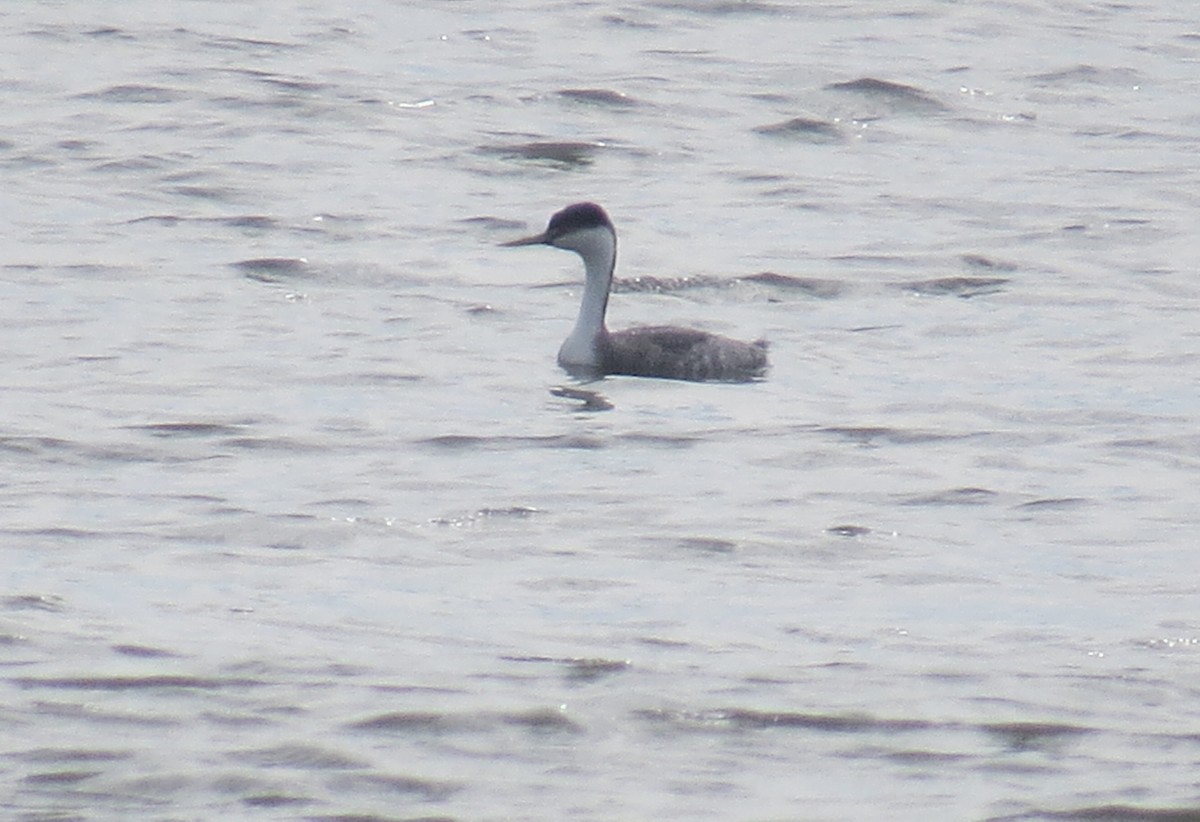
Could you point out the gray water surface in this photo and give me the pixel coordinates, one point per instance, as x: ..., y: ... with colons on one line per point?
x: 296, y: 522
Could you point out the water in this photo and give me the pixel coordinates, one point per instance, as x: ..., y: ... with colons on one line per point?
x: 295, y: 526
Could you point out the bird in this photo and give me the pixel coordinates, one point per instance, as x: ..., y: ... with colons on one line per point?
x: 663, y: 351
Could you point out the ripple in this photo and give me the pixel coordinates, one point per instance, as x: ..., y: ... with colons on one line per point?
x: 301, y: 757
x: 273, y: 269
x: 955, y: 286
x: 71, y: 777
x: 543, y: 720
x: 1086, y: 74
x: 275, y: 800
x: 805, y: 129
x: 1032, y: 736
x: 591, y: 400
x: 134, y: 93
x: 560, y: 153
x: 748, y: 719
x: 512, y: 512
x: 142, y: 651
x: 598, y: 97
x: 588, y: 670
x: 189, y: 429
x: 871, y: 434
x: 540, y: 720
x: 722, y: 8
x: 1053, y: 503
x: 666, y: 285
x: 62, y: 755
x: 135, y: 683
x: 814, y: 286
x: 33, y: 602
x: 281, y: 444
x: 460, y: 442
x: 848, y: 530
x: 1120, y: 813
x: 903, y: 98
x: 955, y: 496
x: 987, y: 263
x: 431, y: 790
x: 415, y: 722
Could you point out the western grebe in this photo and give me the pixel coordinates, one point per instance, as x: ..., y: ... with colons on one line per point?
x: 652, y: 351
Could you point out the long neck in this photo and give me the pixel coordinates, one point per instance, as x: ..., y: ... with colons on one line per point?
x: 598, y: 248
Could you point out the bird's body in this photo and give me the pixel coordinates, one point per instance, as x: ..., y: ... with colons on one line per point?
x: 675, y: 353
x: 668, y: 352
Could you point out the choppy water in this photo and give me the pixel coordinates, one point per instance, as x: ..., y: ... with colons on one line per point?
x: 294, y: 525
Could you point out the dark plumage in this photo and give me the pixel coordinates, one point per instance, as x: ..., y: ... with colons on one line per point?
x: 675, y: 353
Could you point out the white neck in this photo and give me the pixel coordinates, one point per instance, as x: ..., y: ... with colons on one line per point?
x: 598, y: 248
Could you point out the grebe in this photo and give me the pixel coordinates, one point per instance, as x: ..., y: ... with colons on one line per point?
x: 652, y: 351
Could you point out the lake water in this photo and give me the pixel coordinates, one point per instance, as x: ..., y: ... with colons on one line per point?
x: 296, y: 522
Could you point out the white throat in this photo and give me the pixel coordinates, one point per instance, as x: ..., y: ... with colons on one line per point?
x: 598, y: 248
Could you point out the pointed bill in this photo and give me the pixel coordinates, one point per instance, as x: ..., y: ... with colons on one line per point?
x: 536, y: 239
